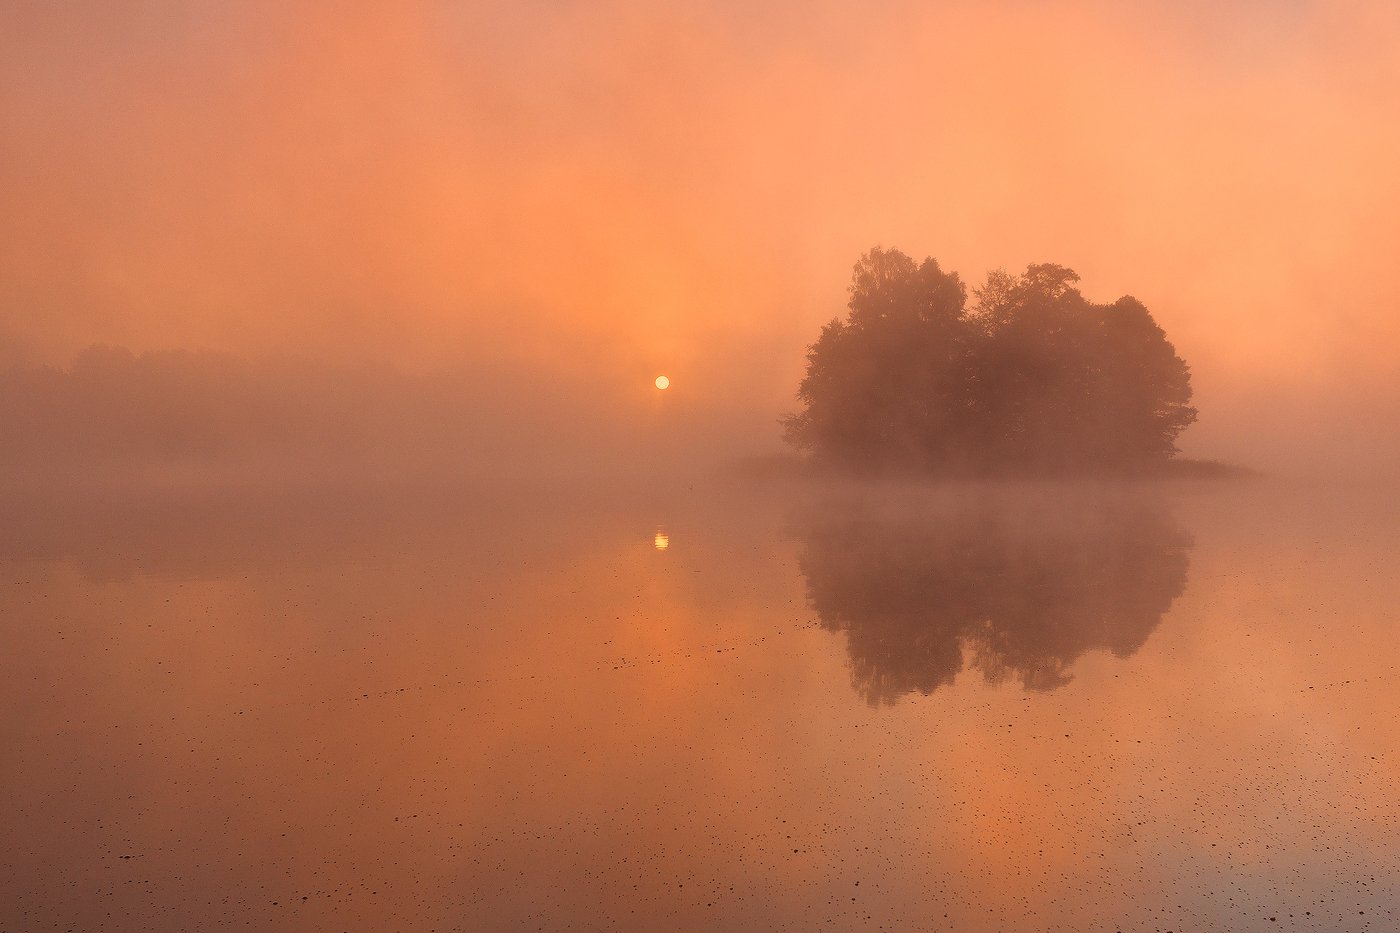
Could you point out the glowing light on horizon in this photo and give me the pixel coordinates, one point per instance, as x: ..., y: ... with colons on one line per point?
x: 662, y: 541
x: 663, y: 382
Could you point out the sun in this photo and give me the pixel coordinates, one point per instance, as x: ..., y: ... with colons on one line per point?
x: 663, y: 382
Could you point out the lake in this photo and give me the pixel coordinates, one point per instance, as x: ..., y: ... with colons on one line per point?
x: 730, y: 705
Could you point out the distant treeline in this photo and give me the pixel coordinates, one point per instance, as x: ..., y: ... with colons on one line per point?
x: 183, y: 403
x: 1031, y: 377
x: 114, y: 408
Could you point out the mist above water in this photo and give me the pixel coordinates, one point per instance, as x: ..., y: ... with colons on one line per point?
x: 357, y: 572
x: 551, y: 205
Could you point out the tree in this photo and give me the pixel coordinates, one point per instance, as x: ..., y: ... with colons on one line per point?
x: 1032, y: 378
x: 889, y: 383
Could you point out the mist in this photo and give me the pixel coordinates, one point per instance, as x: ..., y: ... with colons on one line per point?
x: 565, y: 200
x: 1010, y: 543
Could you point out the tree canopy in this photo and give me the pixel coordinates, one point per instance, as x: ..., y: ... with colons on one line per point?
x: 1028, y: 377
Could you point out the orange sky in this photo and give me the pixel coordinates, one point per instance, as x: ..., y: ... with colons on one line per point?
x: 607, y: 190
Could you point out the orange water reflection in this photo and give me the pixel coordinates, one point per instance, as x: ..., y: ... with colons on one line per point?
x: 421, y: 714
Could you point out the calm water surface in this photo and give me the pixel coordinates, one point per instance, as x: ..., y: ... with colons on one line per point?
x: 972, y: 708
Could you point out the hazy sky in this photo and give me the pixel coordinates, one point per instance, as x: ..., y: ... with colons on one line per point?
x: 602, y: 191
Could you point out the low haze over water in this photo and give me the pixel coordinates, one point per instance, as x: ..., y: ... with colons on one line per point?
x: 1161, y: 706
x: 475, y: 465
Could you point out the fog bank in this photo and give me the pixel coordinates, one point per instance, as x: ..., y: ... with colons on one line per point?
x: 586, y: 195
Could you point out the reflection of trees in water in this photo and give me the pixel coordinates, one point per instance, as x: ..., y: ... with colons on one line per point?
x: 1020, y: 588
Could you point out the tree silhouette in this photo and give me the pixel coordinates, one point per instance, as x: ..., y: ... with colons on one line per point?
x: 1032, y: 377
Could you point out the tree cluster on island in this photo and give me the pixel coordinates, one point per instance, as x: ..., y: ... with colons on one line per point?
x: 1030, y: 377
